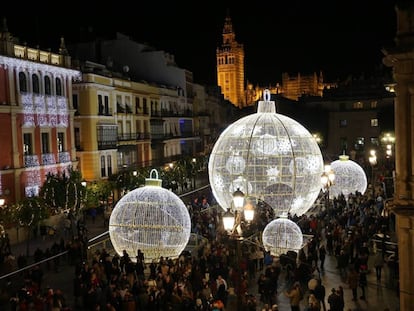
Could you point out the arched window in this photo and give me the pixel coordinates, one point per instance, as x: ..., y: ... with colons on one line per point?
x: 35, y: 84
x: 22, y: 82
x: 48, y: 90
x: 58, y: 87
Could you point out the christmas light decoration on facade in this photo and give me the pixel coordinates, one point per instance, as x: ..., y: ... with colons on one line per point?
x: 349, y: 177
x: 282, y: 235
x: 269, y: 156
x: 151, y: 219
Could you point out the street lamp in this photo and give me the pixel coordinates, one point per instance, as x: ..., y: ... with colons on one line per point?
x: 232, y: 225
x: 327, y: 180
x: 373, y: 161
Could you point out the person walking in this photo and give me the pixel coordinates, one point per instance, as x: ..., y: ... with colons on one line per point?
x: 378, y: 264
x: 294, y: 296
x: 322, y: 255
x: 363, y: 280
x: 353, y: 279
x: 334, y: 301
x: 320, y: 293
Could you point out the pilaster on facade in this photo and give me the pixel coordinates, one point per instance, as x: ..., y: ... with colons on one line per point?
x: 401, y: 59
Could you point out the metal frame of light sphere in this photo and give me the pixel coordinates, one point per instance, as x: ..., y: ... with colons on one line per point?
x: 151, y: 219
x: 349, y: 177
x: 282, y: 235
x: 268, y: 156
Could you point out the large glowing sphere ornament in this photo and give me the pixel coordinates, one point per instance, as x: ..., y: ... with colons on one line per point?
x: 151, y: 219
x: 269, y: 156
x: 282, y: 235
x: 349, y: 177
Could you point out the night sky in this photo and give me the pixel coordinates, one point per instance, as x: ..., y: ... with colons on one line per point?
x: 336, y: 37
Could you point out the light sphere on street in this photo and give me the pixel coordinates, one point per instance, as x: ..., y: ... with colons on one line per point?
x: 151, y: 219
x: 269, y: 156
x: 349, y: 177
x: 282, y: 235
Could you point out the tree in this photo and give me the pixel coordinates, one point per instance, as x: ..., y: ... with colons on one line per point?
x: 63, y: 191
x: 29, y: 213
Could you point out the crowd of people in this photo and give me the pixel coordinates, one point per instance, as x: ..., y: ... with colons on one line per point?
x: 214, y: 277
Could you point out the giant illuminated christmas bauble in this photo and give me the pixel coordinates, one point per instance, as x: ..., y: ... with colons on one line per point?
x: 349, y: 177
x: 282, y: 235
x: 269, y: 156
x: 151, y: 219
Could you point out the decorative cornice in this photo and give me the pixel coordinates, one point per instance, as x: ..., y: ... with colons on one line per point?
x: 33, y: 66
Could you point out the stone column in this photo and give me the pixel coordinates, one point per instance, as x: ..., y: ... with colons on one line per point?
x: 401, y: 59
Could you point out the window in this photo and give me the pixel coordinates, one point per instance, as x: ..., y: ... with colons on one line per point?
x: 374, y: 122
x: 45, y: 143
x: 48, y: 89
x: 22, y: 82
x: 343, y: 123
x: 35, y: 84
x: 374, y: 141
x: 100, y: 105
x: 61, y: 141
x: 359, y: 143
x: 103, y: 169
x: 77, y: 138
x: 58, y: 87
x: 358, y: 105
x: 374, y: 104
x: 137, y: 105
x: 344, y: 144
x: 109, y: 165
x: 106, y: 108
x: 75, y: 102
x: 27, y: 144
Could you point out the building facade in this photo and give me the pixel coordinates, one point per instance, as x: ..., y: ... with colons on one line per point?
x: 37, y: 116
x: 401, y: 59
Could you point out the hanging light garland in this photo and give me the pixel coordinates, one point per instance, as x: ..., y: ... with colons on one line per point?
x: 151, y: 219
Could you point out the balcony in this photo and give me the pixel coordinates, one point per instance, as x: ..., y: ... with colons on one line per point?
x: 31, y: 160
x: 134, y: 136
x: 64, y: 157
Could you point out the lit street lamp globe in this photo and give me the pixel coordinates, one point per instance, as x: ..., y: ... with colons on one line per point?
x: 269, y: 156
x: 151, y: 219
x: 282, y: 235
x: 349, y: 177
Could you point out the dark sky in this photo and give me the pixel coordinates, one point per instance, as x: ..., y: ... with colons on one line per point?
x: 339, y: 37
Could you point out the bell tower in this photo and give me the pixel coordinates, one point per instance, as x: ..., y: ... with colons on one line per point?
x: 230, y: 66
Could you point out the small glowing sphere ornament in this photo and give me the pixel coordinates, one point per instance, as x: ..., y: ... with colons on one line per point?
x: 282, y: 235
x: 349, y: 177
x: 269, y: 156
x: 151, y: 219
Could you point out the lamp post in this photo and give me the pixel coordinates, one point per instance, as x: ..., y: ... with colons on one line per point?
x: 327, y: 180
x: 232, y: 222
x: 2, y: 207
x: 193, y: 171
x: 373, y: 161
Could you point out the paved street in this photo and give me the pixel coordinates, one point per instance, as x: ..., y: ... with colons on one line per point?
x: 379, y: 296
